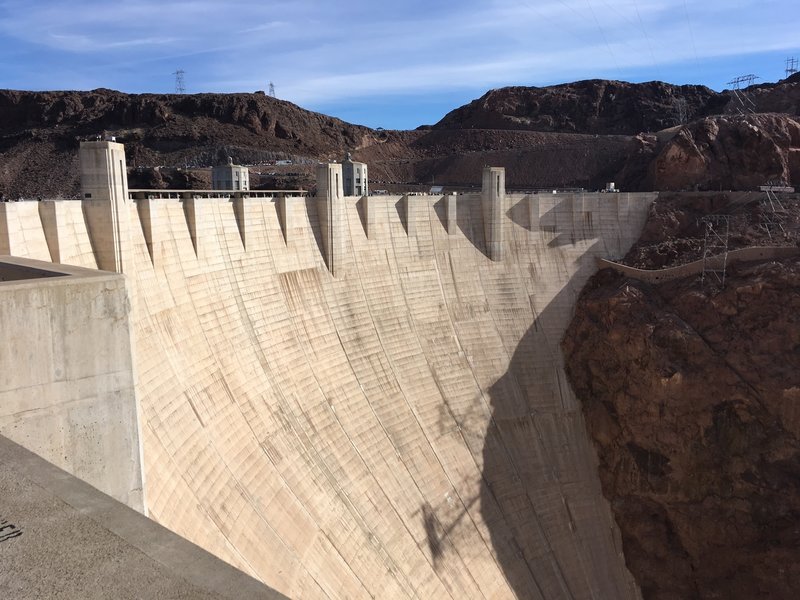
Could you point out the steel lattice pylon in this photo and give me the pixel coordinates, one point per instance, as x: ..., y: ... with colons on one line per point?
x: 773, y: 214
x: 739, y: 85
x: 715, y: 249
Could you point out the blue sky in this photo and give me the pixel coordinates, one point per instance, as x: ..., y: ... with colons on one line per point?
x: 391, y: 65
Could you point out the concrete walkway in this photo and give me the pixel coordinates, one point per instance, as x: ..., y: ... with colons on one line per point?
x: 62, y: 538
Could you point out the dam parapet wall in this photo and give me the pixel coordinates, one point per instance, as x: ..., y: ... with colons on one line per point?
x: 80, y: 233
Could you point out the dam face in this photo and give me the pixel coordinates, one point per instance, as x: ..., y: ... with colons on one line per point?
x: 401, y: 429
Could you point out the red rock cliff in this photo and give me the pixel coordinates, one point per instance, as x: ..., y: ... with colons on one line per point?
x: 692, y: 398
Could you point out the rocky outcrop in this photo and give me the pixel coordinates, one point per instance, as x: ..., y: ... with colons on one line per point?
x: 780, y: 97
x: 730, y: 152
x: 692, y: 398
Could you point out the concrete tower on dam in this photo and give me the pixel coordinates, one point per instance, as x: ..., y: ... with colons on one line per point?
x: 341, y: 396
x: 229, y: 176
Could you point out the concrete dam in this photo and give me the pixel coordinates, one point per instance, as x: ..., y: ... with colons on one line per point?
x: 342, y: 397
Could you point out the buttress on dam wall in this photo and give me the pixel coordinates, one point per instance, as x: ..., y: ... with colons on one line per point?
x: 358, y: 397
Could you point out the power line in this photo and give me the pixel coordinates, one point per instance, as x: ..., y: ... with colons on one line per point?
x: 632, y: 23
x: 691, y: 32
x: 180, y: 83
x: 603, y: 35
x: 619, y: 14
x: 559, y: 26
x: 647, y: 38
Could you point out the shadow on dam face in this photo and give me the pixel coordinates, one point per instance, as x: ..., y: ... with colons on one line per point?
x: 528, y: 462
x: 538, y: 493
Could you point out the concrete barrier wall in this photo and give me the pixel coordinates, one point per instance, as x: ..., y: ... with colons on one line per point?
x: 403, y: 429
x: 754, y: 253
x: 66, y: 373
x: 21, y: 231
x: 51, y: 230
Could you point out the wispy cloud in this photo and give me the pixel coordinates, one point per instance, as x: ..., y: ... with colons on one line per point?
x: 319, y: 52
x: 85, y: 43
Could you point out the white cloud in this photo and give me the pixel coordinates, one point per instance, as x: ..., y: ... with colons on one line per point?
x: 317, y: 51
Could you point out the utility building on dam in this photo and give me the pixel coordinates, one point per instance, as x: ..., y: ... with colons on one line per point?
x: 337, y: 396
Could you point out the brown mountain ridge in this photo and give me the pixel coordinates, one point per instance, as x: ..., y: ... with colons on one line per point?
x: 572, y: 135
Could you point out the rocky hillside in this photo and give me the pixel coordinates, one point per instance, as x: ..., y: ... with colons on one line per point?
x: 691, y: 397
x: 574, y: 135
x: 616, y: 107
x: 40, y: 132
x: 170, y: 124
x: 595, y: 106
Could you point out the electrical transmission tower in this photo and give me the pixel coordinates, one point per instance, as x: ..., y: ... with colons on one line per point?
x: 791, y: 66
x: 271, y: 89
x: 715, y: 249
x: 680, y: 110
x: 747, y: 80
x: 180, y: 83
x: 773, y: 213
x: 738, y: 86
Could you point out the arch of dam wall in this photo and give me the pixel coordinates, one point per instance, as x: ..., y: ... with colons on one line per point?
x: 400, y: 428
